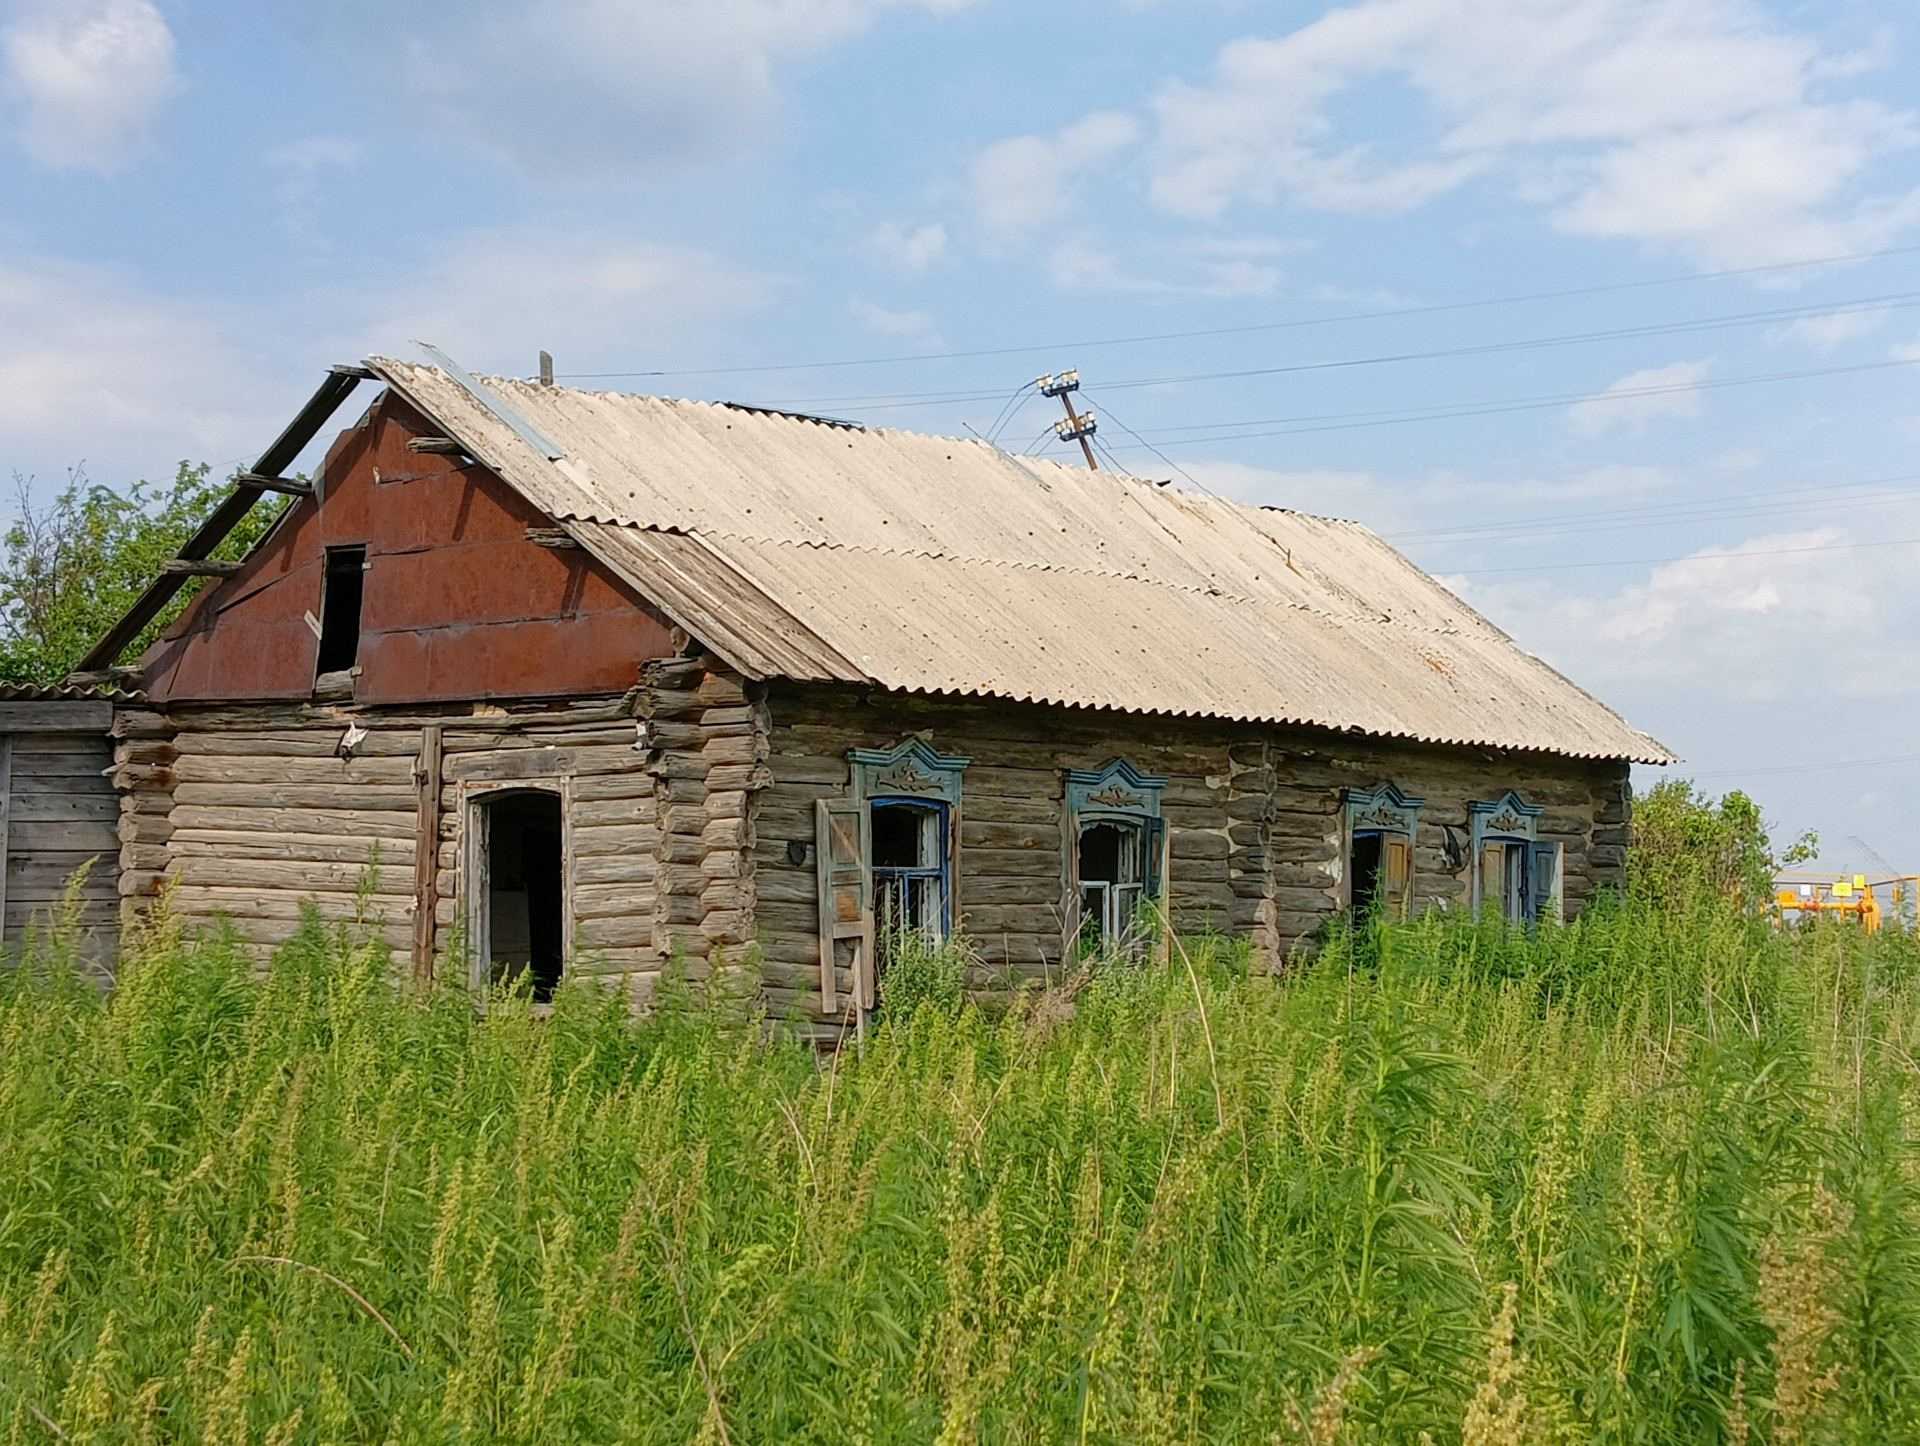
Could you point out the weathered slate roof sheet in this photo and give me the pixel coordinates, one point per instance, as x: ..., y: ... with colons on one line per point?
x: 930, y: 564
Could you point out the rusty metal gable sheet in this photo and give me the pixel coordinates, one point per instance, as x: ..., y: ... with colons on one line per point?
x: 812, y: 551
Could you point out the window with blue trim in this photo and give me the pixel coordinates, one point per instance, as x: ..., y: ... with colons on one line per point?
x: 912, y: 796
x: 1382, y: 824
x: 1514, y: 870
x: 1118, y: 842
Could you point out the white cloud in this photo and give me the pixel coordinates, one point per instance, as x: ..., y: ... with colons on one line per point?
x: 1027, y: 183
x: 495, y: 298
x: 1824, y: 333
x: 94, y: 368
x: 561, y: 88
x: 88, y: 79
x: 301, y: 164
x: 908, y: 249
x: 1693, y: 124
x: 1808, y: 614
x: 1640, y: 398
x: 909, y: 325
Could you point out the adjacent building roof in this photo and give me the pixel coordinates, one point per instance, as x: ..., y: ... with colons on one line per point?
x: 810, y: 550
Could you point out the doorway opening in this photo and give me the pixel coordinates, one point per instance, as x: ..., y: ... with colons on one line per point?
x: 340, y: 597
x: 1112, y: 875
x: 1369, y: 872
x: 524, y: 925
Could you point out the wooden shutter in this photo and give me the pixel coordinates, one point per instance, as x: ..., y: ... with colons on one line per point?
x: 1493, y: 876
x: 1397, y: 864
x: 1153, y: 880
x: 846, y: 898
x: 1548, y: 892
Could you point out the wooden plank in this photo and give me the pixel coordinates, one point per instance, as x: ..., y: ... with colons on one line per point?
x: 6, y: 816
x: 594, y: 840
x: 305, y: 847
x: 545, y: 762
x: 88, y: 835
x: 426, y: 836
x: 100, y: 807
x: 76, y: 715
x: 620, y: 868
x: 373, y: 797
x: 341, y: 773
x: 608, y: 901
x: 297, y: 877
x: 389, y: 823
x: 200, y: 899
x: 316, y: 741
x: 612, y: 813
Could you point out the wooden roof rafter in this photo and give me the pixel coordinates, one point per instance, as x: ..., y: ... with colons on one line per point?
x: 249, y: 486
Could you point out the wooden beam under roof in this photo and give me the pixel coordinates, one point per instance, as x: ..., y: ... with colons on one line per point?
x: 249, y: 486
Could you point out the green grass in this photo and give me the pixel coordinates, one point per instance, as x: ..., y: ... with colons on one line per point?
x: 1626, y: 1181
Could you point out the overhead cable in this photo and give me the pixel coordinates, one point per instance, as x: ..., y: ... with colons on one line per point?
x: 1427, y: 310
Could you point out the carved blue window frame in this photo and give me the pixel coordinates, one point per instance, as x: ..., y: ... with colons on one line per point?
x: 915, y: 773
x: 1383, y: 810
x: 1118, y: 793
x: 1510, y: 819
x: 910, y: 772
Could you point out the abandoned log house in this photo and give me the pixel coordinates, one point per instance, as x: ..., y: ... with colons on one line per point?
x: 575, y: 681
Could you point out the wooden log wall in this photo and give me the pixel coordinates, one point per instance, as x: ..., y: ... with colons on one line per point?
x: 251, y: 810
x: 688, y: 801
x: 1586, y: 803
x: 1255, y: 820
x: 706, y: 728
x: 57, y: 813
x: 1011, y: 873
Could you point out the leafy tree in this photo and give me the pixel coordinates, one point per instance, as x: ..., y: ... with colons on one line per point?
x: 1685, y: 844
x: 73, y: 567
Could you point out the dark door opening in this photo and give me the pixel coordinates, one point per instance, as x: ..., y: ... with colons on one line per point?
x: 1369, y: 872
x: 525, y: 921
x: 340, y: 609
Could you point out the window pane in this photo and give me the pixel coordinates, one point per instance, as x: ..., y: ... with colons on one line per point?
x: 902, y: 835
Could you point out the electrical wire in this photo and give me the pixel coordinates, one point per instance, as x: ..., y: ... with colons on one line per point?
x: 1012, y: 397
x: 1338, y: 421
x: 1659, y: 512
x: 1870, y: 305
x: 1428, y: 310
x: 1691, y: 557
x: 1150, y: 447
x: 1733, y: 512
x: 1810, y: 767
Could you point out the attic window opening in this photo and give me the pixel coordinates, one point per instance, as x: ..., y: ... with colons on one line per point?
x: 340, y: 596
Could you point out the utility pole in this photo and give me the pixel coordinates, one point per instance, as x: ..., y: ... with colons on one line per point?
x: 1079, y: 425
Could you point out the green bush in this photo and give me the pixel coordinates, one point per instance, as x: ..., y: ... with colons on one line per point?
x: 1632, y: 1179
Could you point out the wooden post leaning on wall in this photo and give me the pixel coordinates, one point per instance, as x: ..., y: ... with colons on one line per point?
x: 6, y: 818
x: 426, y: 853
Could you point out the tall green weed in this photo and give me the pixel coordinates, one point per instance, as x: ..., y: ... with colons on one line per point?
x: 1640, y: 1178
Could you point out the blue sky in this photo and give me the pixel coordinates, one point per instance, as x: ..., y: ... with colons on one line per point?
x: 1519, y: 283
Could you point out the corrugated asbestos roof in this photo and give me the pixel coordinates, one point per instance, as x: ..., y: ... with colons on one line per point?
x: 935, y: 565
x: 65, y: 693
